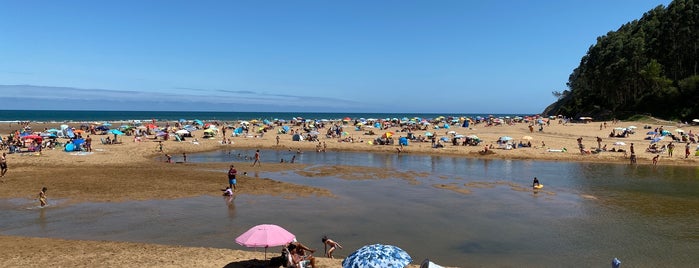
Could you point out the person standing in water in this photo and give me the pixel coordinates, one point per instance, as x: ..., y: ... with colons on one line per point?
x: 257, y: 158
x: 327, y: 242
x: 42, y: 197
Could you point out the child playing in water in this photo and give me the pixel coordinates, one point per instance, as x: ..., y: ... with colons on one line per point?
x: 227, y: 192
x: 330, y: 243
x: 42, y: 197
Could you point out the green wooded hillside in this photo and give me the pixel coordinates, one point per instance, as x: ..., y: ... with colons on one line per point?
x: 647, y: 66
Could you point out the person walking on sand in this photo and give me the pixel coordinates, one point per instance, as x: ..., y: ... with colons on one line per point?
x: 686, y: 150
x: 42, y: 197
x: 257, y: 159
x: 232, y: 172
x: 655, y: 159
x: 3, y: 165
x: 327, y: 242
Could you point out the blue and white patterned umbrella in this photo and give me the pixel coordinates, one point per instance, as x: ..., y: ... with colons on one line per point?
x: 377, y: 256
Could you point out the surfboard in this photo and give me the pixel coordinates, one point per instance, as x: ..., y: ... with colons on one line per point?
x: 539, y: 186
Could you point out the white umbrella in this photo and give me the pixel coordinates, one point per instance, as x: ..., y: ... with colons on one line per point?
x: 621, y: 143
x: 182, y: 132
x: 679, y: 130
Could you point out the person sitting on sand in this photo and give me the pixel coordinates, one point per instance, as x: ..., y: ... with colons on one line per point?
x: 327, y: 242
x: 536, y: 182
x: 301, y: 260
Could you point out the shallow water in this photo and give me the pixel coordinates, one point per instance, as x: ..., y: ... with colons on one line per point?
x: 585, y: 215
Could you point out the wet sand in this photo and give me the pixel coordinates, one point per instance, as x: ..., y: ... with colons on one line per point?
x: 138, y: 171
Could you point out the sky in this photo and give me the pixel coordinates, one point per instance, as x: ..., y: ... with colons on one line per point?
x: 406, y: 56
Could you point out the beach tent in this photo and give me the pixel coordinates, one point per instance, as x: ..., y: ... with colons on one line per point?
x: 238, y: 131
x: 403, y: 141
x: 68, y: 132
x: 285, y: 129
x: 297, y: 137
x: 466, y: 124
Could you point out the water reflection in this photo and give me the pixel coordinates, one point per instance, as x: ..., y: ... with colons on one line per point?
x: 586, y: 213
x: 230, y: 204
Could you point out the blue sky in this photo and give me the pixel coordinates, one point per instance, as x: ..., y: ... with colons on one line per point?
x: 314, y: 56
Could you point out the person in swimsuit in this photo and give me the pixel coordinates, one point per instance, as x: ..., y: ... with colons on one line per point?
x: 42, y: 197
x: 327, y: 242
x: 257, y: 159
x: 3, y: 165
x: 227, y: 192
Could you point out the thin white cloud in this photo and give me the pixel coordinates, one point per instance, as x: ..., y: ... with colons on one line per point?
x: 177, y: 96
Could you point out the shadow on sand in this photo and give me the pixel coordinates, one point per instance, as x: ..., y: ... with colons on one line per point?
x: 255, y: 263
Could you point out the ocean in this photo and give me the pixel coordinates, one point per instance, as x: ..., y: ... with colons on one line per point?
x: 85, y: 116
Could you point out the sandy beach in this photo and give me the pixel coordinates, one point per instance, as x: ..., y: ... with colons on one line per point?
x: 118, y: 172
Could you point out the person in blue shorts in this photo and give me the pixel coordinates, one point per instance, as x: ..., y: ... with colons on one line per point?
x: 231, y: 177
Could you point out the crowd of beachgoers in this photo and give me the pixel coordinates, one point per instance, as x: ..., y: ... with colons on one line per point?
x: 60, y: 155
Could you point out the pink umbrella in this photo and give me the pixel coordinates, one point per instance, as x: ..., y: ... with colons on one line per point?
x: 265, y: 235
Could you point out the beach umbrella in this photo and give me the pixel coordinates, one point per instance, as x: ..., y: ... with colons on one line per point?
x: 505, y: 138
x: 37, y: 138
x: 53, y: 130
x: 679, y: 130
x: 619, y: 129
x: 182, y: 132
x: 47, y: 134
x: 657, y: 139
x: 632, y: 127
x: 527, y: 138
x: 116, y: 132
x: 695, y: 120
x: 160, y: 133
x: 428, y: 134
x: 264, y: 236
x: 387, y: 135
x: 209, y: 130
x: 107, y: 124
x: 472, y: 136
x: 651, y: 133
x: 452, y: 132
x: 182, y: 120
x: 620, y: 143
x: 102, y: 128
x: 376, y: 256
x: 313, y: 133
x: 198, y: 122
x: 458, y: 136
